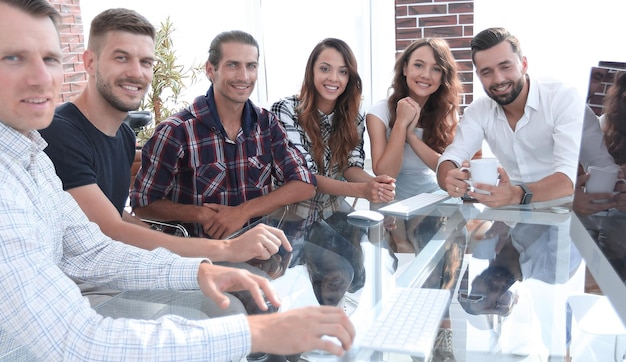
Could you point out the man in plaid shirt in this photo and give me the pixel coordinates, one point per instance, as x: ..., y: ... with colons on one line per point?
x: 221, y: 161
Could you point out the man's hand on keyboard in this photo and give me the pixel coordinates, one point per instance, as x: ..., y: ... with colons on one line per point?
x: 302, y: 329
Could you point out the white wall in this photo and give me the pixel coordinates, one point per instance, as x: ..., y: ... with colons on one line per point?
x: 560, y: 38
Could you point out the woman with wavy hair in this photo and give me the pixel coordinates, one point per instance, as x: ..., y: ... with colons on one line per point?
x: 325, y: 123
x: 409, y: 130
x: 613, y: 124
x: 613, y: 121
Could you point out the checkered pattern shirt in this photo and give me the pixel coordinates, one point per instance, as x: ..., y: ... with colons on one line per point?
x: 190, y: 160
x: 323, y: 205
x: 46, y: 240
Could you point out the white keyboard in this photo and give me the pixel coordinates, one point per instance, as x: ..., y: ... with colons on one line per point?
x: 409, y: 322
x: 407, y: 206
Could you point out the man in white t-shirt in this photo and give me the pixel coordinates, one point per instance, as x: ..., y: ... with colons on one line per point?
x: 533, y: 127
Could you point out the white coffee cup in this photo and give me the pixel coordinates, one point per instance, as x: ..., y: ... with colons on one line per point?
x: 482, y: 171
x: 602, y: 179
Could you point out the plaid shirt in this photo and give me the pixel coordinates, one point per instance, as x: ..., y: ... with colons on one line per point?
x: 190, y: 159
x: 46, y: 239
x: 323, y: 205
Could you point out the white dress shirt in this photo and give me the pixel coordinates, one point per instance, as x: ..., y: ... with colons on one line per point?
x: 46, y: 239
x: 546, y: 139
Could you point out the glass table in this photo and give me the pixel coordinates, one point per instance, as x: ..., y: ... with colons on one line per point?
x: 509, y: 271
x: 337, y: 261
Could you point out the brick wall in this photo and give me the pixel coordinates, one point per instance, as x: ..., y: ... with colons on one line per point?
x: 73, y: 46
x: 452, y: 20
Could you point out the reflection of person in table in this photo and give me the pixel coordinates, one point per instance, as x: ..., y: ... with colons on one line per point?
x: 446, y: 273
x: 516, y: 253
x: 411, y: 235
x: 489, y: 293
x: 334, y: 258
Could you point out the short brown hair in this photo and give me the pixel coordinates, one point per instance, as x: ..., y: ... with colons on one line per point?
x: 491, y: 37
x: 118, y: 20
x: 37, y: 8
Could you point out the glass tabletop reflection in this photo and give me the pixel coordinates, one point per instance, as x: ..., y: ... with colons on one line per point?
x: 509, y: 272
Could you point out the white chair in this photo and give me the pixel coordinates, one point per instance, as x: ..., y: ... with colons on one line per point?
x: 598, y: 333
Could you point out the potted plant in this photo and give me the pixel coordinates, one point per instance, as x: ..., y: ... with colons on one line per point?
x: 169, y: 81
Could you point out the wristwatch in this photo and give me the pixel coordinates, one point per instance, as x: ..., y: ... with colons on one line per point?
x: 527, y: 196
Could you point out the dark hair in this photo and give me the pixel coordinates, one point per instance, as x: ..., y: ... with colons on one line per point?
x: 37, y: 8
x: 344, y: 136
x: 233, y: 36
x: 497, y: 281
x: 615, y: 118
x: 118, y: 20
x: 335, y: 244
x: 491, y: 37
x: 439, y: 116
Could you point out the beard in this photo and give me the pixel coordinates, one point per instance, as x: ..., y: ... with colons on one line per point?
x: 106, y: 90
x: 508, y: 98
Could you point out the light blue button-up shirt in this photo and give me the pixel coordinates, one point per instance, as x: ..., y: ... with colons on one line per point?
x: 45, y: 239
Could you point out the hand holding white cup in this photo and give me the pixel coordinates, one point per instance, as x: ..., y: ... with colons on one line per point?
x: 602, y: 180
x: 482, y: 171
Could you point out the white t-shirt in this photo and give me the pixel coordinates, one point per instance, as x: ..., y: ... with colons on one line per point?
x: 415, y: 176
x: 546, y: 139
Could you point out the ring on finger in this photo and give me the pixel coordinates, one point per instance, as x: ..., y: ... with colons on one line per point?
x: 456, y: 189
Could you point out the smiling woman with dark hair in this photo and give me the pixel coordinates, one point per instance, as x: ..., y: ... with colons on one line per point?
x: 325, y: 124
